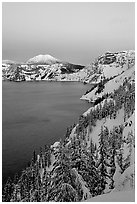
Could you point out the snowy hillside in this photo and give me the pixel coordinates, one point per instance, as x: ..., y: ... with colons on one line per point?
x: 43, y: 67
x: 107, y: 77
x: 96, y: 159
x: 110, y: 65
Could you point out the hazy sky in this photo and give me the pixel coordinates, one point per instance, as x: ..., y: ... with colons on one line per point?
x: 74, y: 32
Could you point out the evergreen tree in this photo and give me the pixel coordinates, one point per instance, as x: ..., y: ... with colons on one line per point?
x: 90, y: 174
x: 112, y: 152
x: 7, y: 191
x: 16, y: 196
x: 120, y: 158
x: 102, y: 168
x: 130, y: 145
x: 61, y: 180
x: 34, y: 157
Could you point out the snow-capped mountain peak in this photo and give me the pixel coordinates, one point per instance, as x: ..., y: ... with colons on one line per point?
x: 43, y: 59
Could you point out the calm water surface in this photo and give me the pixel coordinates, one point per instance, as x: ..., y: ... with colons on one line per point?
x: 35, y: 114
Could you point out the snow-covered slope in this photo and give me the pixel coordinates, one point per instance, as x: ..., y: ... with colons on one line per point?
x: 43, y: 67
x: 118, y: 89
x: 109, y: 77
x: 125, y: 196
x: 110, y: 85
x: 126, y: 180
x: 115, y: 113
x: 110, y: 65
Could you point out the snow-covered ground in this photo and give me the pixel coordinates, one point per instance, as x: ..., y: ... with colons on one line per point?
x: 110, y: 86
x: 124, y: 196
x: 50, y: 72
x: 126, y: 180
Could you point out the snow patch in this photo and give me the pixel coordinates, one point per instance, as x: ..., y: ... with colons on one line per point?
x: 124, y: 196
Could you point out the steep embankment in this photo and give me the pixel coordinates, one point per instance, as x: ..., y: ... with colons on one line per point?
x: 96, y: 157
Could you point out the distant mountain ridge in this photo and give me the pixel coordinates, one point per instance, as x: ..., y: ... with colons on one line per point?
x: 40, y: 59
x: 48, y: 68
x: 42, y: 67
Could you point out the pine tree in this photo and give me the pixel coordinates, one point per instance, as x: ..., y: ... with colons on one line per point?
x: 102, y: 168
x: 66, y: 194
x: 16, y: 196
x: 44, y: 187
x: 15, y: 179
x: 47, y: 156
x: 130, y: 145
x: 34, y: 157
x: 61, y: 180
x: 90, y: 174
x: 112, y: 153
x: 120, y: 157
x: 84, y: 164
x: 7, y: 191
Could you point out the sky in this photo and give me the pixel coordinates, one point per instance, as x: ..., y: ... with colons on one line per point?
x: 73, y: 32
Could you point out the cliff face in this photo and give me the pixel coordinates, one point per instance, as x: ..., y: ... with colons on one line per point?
x: 106, y: 76
x: 97, y: 154
x: 110, y: 65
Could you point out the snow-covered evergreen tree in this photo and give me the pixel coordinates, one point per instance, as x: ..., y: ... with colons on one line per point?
x: 102, y: 168
x: 61, y: 180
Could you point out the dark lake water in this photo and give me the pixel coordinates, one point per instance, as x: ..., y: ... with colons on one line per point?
x: 35, y: 114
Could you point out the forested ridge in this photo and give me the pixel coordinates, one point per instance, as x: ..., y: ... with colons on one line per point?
x: 92, y: 156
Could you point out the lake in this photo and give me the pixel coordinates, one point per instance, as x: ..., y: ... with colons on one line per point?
x: 35, y: 114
